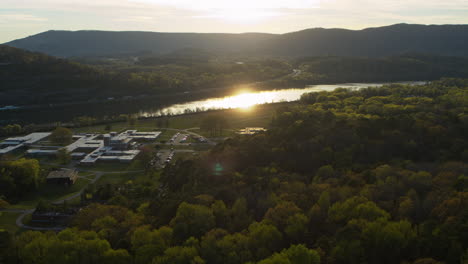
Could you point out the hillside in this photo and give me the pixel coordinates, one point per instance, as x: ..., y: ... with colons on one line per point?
x: 371, y: 42
x: 101, y: 43
x: 34, y: 78
x: 31, y: 78
x: 53, y: 80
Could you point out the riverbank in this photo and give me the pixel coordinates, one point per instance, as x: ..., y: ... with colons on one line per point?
x: 181, y: 103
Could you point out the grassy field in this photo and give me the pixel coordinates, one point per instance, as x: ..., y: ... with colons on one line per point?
x: 50, y: 193
x: 166, y: 135
x: 136, y: 165
x: 8, y: 221
x: 258, y: 116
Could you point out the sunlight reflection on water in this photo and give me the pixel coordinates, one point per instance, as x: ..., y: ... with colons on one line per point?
x: 249, y: 99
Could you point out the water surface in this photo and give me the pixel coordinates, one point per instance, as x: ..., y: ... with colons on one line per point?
x: 249, y: 99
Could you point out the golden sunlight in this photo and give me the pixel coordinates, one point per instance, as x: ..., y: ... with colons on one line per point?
x: 244, y: 100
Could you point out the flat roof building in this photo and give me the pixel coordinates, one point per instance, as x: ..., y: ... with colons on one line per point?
x: 63, y: 176
x: 89, y: 148
x: 11, y: 144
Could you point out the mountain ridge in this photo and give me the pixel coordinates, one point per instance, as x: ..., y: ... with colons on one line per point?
x: 447, y: 40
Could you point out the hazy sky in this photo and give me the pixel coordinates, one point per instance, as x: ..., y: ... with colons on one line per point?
x: 21, y: 18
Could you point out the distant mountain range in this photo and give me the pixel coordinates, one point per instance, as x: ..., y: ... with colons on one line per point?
x: 392, y: 40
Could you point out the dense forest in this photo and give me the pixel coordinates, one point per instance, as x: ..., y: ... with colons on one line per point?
x: 410, y: 67
x: 373, y: 176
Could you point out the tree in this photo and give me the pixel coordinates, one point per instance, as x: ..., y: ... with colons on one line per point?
x: 264, y: 239
x: 19, y: 177
x: 296, y: 227
x: 240, y: 217
x: 280, y: 214
x: 296, y: 254
x: 148, y: 244
x: 67, y: 247
x: 221, y: 213
x: 61, y: 136
x: 63, y: 156
x: 179, y: 255
x: 6, y: 246
x: 356, y: 207
x: 324, y: 173
x: 192, y: 220
x: 119, y: 256
x: 387, y: 242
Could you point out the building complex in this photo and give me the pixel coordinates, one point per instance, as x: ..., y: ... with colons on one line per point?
x: 88, y: 148
x: 11, y: 144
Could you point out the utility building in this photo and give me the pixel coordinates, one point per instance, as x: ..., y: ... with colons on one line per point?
x: 63, y: 177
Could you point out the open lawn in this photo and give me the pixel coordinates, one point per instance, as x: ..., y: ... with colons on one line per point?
x: 136, y: 165
x: 166, y: 135
x: 257, y: 116
x: 49, y: 192
x: 8, y: 221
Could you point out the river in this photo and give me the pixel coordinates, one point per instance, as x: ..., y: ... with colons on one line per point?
x: 155, y: 106
x: 246, y: 99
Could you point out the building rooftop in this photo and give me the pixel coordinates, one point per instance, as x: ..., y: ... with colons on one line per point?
x: 95, y: 143
x: 18, y: 142
x: 61, y: 174
x: 251, y: 130
x: 40, y: 151
x: 85, y: 141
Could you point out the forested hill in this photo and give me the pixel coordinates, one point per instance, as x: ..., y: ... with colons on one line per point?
x: 101, y: 43
x: 31, y: 78
x: 35, y: 78
x: 382, y: 41
x: 373, y: 42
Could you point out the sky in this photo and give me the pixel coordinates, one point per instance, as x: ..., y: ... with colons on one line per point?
x: 22, y: 18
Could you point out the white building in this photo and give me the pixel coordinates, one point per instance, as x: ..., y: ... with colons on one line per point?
x: 11, y: 144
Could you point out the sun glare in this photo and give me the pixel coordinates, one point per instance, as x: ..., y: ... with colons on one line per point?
x: 244, y: 101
